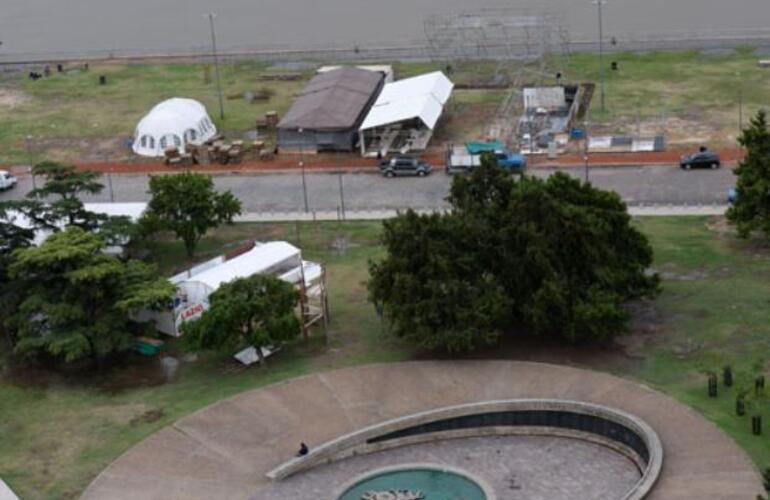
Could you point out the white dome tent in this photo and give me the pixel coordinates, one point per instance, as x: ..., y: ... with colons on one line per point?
x: 173, y: 122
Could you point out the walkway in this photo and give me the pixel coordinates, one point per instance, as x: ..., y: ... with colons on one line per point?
x: 224, y: 451
x: 329, y: 215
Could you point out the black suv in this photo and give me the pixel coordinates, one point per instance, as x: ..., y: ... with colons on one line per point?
x: 702, y: 159
x: 404, y: 165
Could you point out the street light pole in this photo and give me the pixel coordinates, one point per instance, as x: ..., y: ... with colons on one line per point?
x: 302, y: 165
x: 211, y: 16
x: 599, y: 4
x: 740, y: 103
x: 585, y: 152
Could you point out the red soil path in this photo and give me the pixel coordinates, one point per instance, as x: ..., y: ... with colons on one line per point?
x: 354, y: 163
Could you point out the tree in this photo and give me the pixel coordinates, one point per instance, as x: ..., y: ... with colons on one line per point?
x: 76, y: 300
x: 255, y: 311
x: 558, y: 257
x: 65, y: 184
x: 12, y: 237
x: 188, y: 205
x: 431, y: 287
x: 751, y: 210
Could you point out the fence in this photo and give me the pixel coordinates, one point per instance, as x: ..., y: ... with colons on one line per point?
x: 416, y: 50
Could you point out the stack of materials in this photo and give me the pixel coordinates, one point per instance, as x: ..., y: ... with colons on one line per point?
x: 216, y: 150
x: 172, y: 156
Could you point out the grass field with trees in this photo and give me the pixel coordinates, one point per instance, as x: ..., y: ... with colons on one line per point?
x: 59, y: 431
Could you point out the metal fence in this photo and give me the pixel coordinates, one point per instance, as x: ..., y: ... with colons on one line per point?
x: 421, y: 50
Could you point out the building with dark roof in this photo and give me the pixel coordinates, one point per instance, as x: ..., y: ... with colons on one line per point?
x: 328, y: 112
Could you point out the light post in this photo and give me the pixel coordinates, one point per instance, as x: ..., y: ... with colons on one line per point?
x: 211, y: 16
x: 599, y: 4
x: 300, y: 131
x: 585, y: 152
x: 740, y: 102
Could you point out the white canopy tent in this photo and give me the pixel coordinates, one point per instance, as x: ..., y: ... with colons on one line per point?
x: 418, y: 99
x: 173, y: 122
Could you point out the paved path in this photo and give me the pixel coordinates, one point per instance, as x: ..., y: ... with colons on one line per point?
x: 223, y: 451
x: 635, y: 210
x: 369, y: 191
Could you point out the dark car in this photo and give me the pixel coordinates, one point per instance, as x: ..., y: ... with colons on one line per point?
x: 702, y: 159
x: 404, y: 165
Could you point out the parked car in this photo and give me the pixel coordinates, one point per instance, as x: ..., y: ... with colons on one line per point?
x: 7, y: 181
x: 460, y: 160
x: 702, y: 159
x: 403, y: 166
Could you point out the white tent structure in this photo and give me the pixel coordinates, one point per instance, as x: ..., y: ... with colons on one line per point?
x: 405, y: 114
x: 173, y: 122
x: 276, y: 258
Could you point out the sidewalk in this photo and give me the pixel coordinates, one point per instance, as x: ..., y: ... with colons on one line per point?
x: 380, y: 214
x: 336, y: 163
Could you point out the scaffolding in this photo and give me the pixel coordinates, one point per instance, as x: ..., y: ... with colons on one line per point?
x: 527, y: 46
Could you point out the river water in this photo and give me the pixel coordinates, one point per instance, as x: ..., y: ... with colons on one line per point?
x: 47, y: 27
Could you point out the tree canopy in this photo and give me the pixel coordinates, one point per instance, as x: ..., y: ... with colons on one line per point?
x: 63, y: 186
x: 256, y: 311
x: 188, y: 205
x: 556, y: 257
x: 75, y: 300
x: 751, y: 210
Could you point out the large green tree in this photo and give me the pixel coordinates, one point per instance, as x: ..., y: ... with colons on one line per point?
x: 751, y: 210
x: 188, y: 205
x: 555, y: 257
x: 75, y: 300
x: 255, y: 311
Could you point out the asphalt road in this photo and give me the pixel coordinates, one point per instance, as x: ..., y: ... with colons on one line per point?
x: 369, y: 191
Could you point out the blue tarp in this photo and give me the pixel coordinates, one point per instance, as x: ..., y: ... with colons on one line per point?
x: 475, y: 148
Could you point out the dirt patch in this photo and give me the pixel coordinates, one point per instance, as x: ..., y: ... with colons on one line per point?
x: 148, y: 417
x: 128, y: 372
x: 12, y: 98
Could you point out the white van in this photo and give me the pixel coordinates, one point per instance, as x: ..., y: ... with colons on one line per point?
x: 7, y: 181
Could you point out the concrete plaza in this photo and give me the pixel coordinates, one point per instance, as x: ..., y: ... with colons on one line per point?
x: 224, y: 451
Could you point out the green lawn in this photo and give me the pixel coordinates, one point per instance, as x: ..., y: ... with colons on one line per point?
x: 695, y: 93
x: 58, y: 432
x: 60, y: 111
x: 692, y: 96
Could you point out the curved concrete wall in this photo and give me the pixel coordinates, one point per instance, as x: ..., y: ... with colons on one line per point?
x: 621, y: 431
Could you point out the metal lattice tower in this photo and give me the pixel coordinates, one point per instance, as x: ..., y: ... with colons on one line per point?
x: 525, y: 44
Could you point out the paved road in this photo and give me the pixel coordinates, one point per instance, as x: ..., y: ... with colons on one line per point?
x: 365, y: 191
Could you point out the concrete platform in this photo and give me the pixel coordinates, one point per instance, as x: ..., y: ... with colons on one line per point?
x: 224, y: 451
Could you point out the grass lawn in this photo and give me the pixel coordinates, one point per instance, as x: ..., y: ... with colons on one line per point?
x: 691, y: 95
x: 58, y: 432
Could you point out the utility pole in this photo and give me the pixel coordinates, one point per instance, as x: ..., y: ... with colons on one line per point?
x: 585, y: 152
x: 300, y: 131
x: 211, y: 16
x: 740, y: 103
x: 599, y: 4
x: 342, y: 195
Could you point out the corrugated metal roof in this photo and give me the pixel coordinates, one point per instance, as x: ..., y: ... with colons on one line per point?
x: 334, y: 100
x: 257, y: 260
x: 420, y: 97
